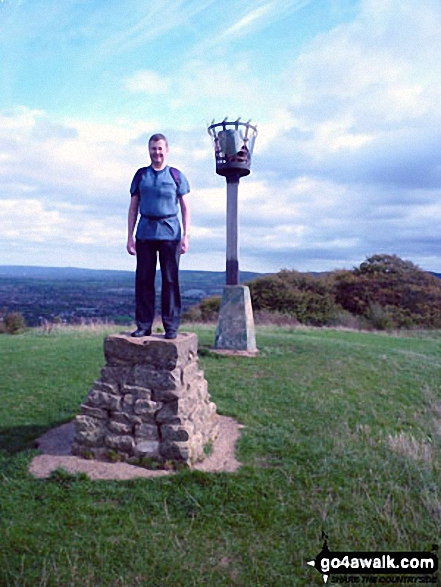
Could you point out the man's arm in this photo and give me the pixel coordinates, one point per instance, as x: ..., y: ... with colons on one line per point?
x: 131, y: 222
x: 185, y: 212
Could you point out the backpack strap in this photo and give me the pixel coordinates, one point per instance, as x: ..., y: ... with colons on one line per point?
x: 176, y: 175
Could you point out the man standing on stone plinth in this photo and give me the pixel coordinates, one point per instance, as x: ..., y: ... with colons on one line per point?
x: 158, y: 191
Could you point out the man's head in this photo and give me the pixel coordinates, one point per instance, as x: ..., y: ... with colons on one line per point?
x: 158, y: 150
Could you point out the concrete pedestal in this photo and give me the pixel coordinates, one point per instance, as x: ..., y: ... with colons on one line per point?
x: 235, y: 328
x: 151, y: 402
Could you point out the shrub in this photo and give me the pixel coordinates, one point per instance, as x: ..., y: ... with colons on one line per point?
x: 384, y: 292
x: 210, y: 308
x: 381, y: 318
x: 206, y: 311
x: 406, y: 295
x: 345, y: 319
x: 306, y: 298
x: 192, y: 314
x: 266, y: 318
x: 14, y: 323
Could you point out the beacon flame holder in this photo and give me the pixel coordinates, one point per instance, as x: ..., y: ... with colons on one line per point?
x: 233, y: 147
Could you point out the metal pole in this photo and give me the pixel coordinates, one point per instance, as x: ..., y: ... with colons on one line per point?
x: 232, y: 257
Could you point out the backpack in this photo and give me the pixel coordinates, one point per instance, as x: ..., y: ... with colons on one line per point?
x: 176, y: 175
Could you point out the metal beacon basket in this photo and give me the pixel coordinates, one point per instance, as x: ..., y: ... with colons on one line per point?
x: 233, y: 147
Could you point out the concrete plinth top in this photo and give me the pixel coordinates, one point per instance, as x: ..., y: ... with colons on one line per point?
x: 154, y: 338
x: 153, y: 349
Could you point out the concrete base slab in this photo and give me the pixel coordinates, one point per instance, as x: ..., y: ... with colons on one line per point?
x: 230, y: 353
x: 55, y: 448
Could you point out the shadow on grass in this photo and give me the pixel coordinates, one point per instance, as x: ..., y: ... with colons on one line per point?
x: 20, y: 438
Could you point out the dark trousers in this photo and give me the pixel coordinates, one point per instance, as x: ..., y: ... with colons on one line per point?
x: 146, y: 258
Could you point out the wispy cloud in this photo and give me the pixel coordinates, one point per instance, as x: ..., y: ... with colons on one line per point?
x: 262, y: 17
x: 239, y: 21
x: 155, y: 21
x: 251, y: 19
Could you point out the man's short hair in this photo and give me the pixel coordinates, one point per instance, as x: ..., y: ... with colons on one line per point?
x: 158, y: 137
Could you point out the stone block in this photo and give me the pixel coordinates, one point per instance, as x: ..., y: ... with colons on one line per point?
x: 118, y: 375
x: 128, y: 403
x: 89, y: 452
x: 106, y: 387
x: 147, y: 431
x: 147, y: 448
x: 89, y: 431
x: 168, y: 412
x: 94, y: 412
x: 124, y: 444
x: 175, y: 451
x: 123, y: 418
x: 103, y: 400
x: 189, y: 373
x: 168, y: 395
x: 138, y: 392
x: 119, y: 427
x: 145, y: 407
x: 148, y: 377
x: 170, y: 432
x: 200, y: 389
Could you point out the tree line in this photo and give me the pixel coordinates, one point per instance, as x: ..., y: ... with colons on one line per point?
x: 384, y: 292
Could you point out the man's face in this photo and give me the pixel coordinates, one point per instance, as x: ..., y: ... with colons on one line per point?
x: 158, y: 153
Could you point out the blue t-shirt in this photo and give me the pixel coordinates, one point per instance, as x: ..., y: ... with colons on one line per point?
x: 158, y: 203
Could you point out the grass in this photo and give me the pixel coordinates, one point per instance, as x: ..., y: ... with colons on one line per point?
x: 342, y: 434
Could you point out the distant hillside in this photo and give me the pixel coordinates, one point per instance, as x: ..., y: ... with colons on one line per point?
x: 70, y: 294
x: 34, y: 272
x: 74, y: 273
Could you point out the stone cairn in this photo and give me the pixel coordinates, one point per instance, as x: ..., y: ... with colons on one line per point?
x: 150, y: 405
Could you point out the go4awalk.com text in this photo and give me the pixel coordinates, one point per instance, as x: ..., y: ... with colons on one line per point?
x: 382, y: 568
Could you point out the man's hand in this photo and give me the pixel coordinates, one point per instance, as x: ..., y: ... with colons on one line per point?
x: 131, y: 246
x: 184, y: 244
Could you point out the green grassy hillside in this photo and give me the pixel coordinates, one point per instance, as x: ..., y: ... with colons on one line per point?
x: 342, y: 435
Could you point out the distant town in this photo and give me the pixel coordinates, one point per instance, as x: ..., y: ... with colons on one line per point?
x: 72, y: 295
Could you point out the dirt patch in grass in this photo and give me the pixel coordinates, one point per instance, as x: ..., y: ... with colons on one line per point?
x: 55, y: 447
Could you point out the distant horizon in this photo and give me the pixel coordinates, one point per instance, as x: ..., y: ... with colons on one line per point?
x: 76, y: 268
x: 116, y: 270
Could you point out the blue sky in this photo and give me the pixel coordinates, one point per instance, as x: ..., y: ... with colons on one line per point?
x: 345, y: 94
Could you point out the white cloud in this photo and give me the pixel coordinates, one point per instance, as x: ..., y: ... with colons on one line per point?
x: 67, y: 192
x: 365, y: 107
x: 29, y: 220
x: 375, y: 70
x: 346, y: 161
x: 79, y: 165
